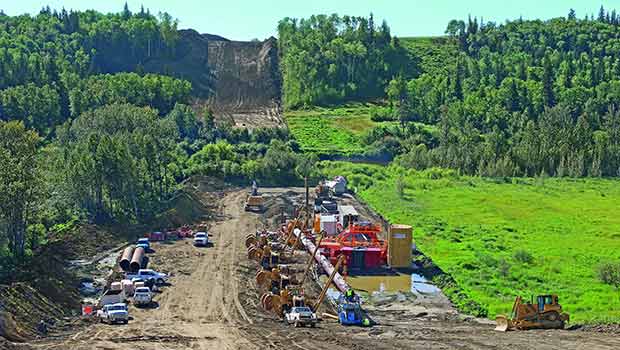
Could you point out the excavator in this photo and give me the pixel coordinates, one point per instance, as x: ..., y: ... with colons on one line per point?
x: 546, y: 314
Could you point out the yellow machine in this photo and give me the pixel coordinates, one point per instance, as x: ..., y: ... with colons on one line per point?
x: 255, y: 203
x: 546, y: 313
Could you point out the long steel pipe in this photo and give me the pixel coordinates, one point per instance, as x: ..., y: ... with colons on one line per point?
x: 339, y: 281
x: 126, y: 258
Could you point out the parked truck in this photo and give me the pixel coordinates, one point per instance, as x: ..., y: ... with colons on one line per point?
x: 148, y: 274
x: 113, y: 313
x: 301, y: 316
x: 143, y: 296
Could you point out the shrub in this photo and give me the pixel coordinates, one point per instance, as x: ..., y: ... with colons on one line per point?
x: 523, y: 256
x: 609, y: 273
x: 380, y: 114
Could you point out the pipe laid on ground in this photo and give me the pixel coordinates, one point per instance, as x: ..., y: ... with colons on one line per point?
x: 137, y: 259
x: 339, y: 281
x: 126, y: 258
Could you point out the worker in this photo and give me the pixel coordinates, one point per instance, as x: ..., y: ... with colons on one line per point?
x: 42, y: 327
x: 350, y: 295
x: 254, y: 188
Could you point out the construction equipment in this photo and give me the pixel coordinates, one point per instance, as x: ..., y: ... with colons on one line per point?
x: 255, y: 203
x: 546, y: 313
x: 360, y: 243
x: 350, y: 313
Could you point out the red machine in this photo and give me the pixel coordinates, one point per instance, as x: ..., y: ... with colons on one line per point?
x: 360, y: 244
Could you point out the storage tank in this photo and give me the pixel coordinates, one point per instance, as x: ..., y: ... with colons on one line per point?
x: 126, y: 258
x: 400, y: 243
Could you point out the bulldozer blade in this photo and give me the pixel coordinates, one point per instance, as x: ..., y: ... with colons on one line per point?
x: 502, y: 322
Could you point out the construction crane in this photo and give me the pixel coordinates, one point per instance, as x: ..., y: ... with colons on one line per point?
x: 546, y: 313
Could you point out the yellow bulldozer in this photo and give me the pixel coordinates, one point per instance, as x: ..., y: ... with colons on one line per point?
x: 546, y: 314
x: 255, y: 203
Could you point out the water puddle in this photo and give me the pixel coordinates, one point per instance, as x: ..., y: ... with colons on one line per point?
x: 413, y: 283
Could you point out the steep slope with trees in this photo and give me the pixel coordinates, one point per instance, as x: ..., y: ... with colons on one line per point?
x: 524, y: 98
x: 332, y: 59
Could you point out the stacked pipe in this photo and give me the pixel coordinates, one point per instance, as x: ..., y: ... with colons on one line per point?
x: 137, y: 260
x: 126, y: 257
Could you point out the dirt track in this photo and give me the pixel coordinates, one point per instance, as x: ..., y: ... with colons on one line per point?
x: 212, y: 304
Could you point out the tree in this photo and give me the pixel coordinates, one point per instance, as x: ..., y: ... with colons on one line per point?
x: 126, y: 13
x: 601, y: 14
x: 20, y: 182
x: 547, y: 80
x: 571, y: 15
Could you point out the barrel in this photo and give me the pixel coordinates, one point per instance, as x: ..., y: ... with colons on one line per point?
x: 137, y: 259
x: 400, y: 242
x: 126, y: 258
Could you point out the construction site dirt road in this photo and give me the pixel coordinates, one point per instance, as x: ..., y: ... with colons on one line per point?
x: 212, y: 303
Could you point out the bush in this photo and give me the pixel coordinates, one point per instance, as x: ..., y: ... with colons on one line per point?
x: 609, y: 273
x: 381, y: 114
x: 523, y: 256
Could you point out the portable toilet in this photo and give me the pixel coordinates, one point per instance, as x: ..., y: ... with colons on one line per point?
x: 127, y: 287
x: 400, y: 244
x: 116, y: 286
x: 329, y: 224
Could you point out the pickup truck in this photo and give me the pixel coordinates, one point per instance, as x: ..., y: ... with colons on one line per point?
x: 301, y: 316
x: 201, y: 239
x: 113, y: 313
x: 148, y: 274
x: 144, y: 243
x: 142, y: 296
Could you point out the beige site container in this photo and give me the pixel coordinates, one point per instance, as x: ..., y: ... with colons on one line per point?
x: 400, y: 242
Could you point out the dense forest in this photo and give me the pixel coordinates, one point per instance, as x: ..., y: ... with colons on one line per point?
x: 522, y: 98
x: 332, y: 59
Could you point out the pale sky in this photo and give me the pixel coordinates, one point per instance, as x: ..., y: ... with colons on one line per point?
x: 249, y: 19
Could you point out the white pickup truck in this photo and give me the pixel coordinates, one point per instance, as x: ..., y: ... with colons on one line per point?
x: 113, y: 313
x: 301, y: 316
x: 142, y: 296
x: 148, y: 274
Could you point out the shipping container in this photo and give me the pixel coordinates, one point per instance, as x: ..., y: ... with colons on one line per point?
x: 400, y: 244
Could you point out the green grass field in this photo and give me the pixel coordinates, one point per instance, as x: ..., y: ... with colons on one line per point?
x: 335, y: 130
x: 503, y: 238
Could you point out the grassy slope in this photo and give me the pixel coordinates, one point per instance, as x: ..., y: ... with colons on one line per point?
x: 337, y: 130
x: 473, y: 227
x: 331, y: 130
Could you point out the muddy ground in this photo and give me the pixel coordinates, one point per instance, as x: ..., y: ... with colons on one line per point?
x: 212, y: 303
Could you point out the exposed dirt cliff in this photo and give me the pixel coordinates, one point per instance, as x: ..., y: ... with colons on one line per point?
x: 238, y: 80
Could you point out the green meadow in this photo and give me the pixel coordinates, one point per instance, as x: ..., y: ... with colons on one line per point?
x: 499, y: 238
x: 331, y: 130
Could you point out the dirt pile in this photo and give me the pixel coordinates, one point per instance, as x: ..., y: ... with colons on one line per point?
x: 195, y: 202
x: 21, y: 308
